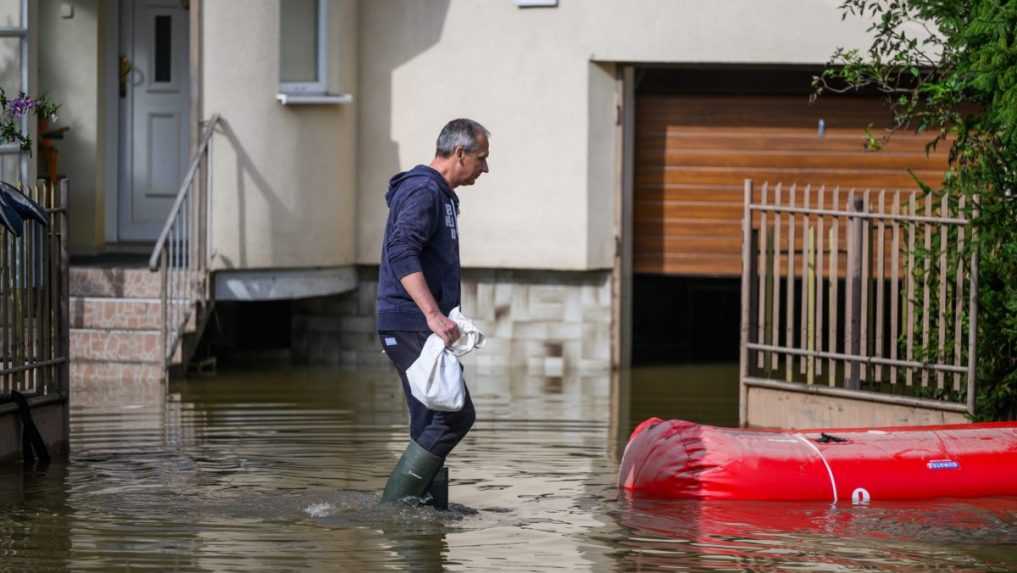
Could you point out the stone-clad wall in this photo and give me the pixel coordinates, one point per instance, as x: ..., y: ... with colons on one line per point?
x: 550, y: 322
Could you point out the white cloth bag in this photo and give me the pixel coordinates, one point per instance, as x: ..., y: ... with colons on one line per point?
x: 436, y: 377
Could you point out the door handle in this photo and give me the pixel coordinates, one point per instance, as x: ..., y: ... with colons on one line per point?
x: 125, y: 71
x: 129, y: 73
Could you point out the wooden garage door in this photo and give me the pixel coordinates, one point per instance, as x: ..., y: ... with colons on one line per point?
x: 693, y: 154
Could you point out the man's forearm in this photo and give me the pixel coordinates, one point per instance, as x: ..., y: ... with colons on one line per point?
x: 416, y: 286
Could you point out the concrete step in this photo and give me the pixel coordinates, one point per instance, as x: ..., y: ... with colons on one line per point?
x: 115, y: 345
x: 96, y: 281
x: 85, y: 373
x: 116, y: 314
x: 120, y: 313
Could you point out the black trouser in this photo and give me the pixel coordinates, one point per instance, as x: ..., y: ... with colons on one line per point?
x: 436, y: 432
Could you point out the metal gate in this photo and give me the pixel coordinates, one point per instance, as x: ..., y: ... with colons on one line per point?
x: 863, y: 295
x: 34, y: 319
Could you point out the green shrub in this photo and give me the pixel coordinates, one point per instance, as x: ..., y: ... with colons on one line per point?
x: 948, y: 68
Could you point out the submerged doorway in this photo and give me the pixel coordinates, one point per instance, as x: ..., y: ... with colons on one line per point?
x: 684, y: 319
x: 154, y: 113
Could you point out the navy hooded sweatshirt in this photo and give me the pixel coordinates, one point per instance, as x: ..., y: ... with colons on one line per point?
x: 421, y: 235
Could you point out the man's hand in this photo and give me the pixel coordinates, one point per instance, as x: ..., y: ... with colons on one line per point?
x: 443, y: 327
x: 439, y: 324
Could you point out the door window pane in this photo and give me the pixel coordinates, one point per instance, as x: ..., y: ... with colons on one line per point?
x: 298, y: 41
x: 163, y: 48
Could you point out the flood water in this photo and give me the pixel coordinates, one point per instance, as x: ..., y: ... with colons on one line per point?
x: 279, y: 469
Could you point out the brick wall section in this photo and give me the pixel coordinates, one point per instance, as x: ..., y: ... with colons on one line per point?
x: 552, y: 322
x: 116, y: 282
x: 115, y: 315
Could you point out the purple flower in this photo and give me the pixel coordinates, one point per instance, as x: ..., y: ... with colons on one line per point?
x: 20, y: 105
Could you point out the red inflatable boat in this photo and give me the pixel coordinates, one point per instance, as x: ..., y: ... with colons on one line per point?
x: 679, y: 459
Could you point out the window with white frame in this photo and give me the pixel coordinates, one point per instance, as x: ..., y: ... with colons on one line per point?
x: 303, y: 46
x: 14, y: 80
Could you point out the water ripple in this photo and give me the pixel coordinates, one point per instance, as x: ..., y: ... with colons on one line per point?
x: 279, y: 470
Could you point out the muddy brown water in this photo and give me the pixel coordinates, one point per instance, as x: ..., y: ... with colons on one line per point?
x: 278, y: 469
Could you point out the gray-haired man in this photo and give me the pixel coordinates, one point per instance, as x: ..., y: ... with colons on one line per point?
x: 418, y: 285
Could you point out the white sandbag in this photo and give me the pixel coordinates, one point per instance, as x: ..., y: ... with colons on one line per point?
x: 436, y: 376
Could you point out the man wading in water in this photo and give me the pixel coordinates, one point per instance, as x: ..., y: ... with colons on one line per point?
x: 418, y: 285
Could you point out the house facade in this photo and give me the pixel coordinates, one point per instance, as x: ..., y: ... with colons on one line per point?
x: 324, y: 100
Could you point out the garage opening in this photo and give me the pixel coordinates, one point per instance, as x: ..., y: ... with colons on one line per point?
x: 699, y: 133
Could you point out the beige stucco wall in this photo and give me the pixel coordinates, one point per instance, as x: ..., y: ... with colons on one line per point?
x: 283, y: 175
x: 303, y: 186
x: 527, y: 75
x: 603, y: 161
x: 68, y: 68
x: 770, y: 408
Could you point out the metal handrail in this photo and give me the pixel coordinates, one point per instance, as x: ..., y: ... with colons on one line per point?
x: 180, y: 254
x: 206, y: 137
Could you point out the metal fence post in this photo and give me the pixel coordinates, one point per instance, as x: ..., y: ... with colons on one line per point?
x: 65, y: 276
x: 743, y: 350
x: 164, y: 339
x: 855, y: 262
x: 973, y: 311
x: 65, y: 316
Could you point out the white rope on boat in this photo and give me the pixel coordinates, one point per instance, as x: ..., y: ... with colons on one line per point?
x: 833, y: 482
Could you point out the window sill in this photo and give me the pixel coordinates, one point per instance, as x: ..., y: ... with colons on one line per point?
x: 314, y: 99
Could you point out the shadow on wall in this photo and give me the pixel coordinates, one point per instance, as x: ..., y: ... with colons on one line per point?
x: 247, y: 175
x: 77, y: 157
x: 376, y: 81
x: 60, y: 58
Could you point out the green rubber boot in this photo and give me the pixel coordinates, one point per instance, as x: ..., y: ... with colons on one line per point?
x: 412, y: 475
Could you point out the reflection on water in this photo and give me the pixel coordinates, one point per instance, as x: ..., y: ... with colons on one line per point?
x: 278, y: 470
x: 702, y: 393
x: 955, y: 535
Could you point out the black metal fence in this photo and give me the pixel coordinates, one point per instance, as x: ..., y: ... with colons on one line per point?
x: 34, y: 317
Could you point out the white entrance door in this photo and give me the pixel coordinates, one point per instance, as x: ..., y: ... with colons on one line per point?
x: 155, y: 102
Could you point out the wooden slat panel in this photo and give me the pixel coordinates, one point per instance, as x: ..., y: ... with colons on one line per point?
x: 750, y: 139
x: 684, y: 210
x: 687, y: 265
x: 764, y: 111
x: 680, y: 244
x: 660, y: 192
x: 685, y: 228
x: 799, y: 159
x: 694, y: 152
x: 851, y: 177
x: 724, y: 193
